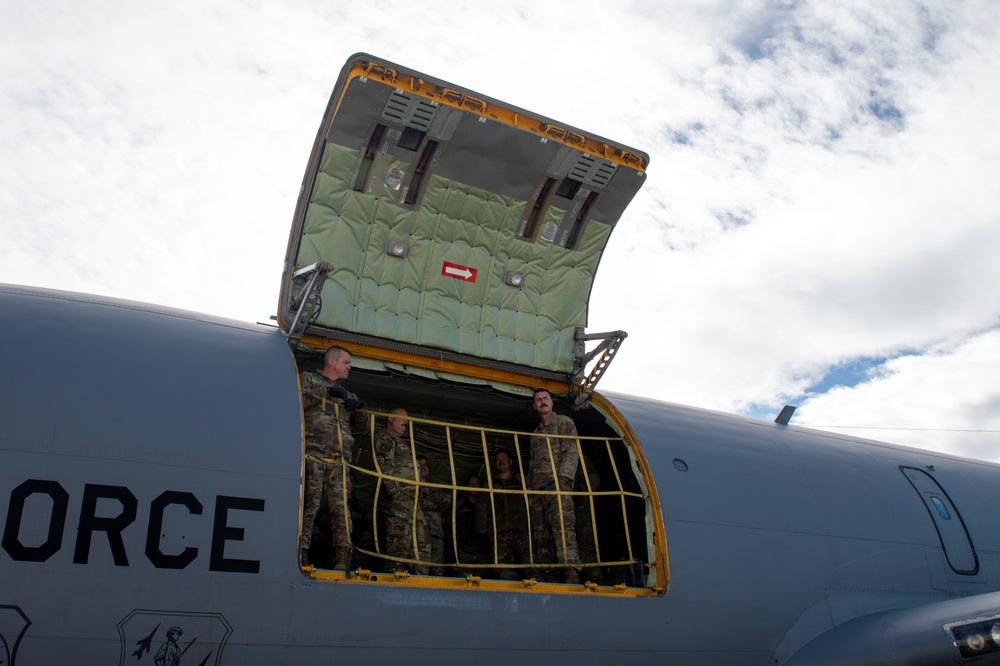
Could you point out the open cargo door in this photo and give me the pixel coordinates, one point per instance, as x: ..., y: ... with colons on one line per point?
x: 450, y: 242
x: 450, y: 224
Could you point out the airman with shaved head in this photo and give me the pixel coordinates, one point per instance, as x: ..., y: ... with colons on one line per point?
x: 330, y: 415
x: 401, y: 516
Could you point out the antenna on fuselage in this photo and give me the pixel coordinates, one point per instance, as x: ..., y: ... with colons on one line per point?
x: 785, y: 416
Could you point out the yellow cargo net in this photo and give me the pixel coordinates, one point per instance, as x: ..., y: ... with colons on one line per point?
x: 600, y: 514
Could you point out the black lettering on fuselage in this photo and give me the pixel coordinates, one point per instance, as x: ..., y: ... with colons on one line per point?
x: 222, y: 533
x: 15, y: 512
x: 114, y: 526
x: 153, y: 534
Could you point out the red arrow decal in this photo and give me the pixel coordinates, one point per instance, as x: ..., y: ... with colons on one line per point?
x: 459, y: 272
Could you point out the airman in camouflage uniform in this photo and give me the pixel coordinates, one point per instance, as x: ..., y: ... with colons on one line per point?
x: 512, y: 545
x: 471, y: 522
x: 329, y: 410
x: 585, y: 535
x: 395, y: 459
x: 554, y: 461
x: 432, y: 501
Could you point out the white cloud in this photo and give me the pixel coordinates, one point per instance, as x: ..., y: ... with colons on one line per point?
x: 935, y: 400
x: 867, y: 241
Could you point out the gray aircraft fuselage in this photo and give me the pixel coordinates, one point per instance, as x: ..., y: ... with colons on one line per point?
x: 151, y: 475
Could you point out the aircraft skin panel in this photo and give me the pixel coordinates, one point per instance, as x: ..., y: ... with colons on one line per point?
x: 103, y: 409
x: 834, y: 511
x: 899, y: 636
x: 194, y: 424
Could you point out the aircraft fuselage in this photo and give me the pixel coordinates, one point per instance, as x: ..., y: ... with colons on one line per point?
x: 151, y: 478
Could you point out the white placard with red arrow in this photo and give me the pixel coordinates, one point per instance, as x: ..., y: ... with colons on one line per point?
x: 459, y: 272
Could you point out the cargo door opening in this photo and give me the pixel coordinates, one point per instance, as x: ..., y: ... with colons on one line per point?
x: 460, y: 429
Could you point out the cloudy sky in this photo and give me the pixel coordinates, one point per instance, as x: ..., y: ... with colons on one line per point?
x: 820, y: 224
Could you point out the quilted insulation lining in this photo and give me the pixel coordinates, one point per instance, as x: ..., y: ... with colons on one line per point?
x: 409, y: 300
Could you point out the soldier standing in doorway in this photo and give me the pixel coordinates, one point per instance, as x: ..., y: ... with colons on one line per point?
x: 554, y: 460
x: 398, y: 506
x: 331, y: 413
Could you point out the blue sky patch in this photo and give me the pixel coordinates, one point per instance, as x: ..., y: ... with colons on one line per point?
x: 846, y: 374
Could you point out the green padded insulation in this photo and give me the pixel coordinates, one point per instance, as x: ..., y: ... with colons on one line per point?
x: 409, y: 300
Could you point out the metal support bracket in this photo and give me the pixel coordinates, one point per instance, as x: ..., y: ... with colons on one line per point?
x: 305, y: 302
x: 610, y: 342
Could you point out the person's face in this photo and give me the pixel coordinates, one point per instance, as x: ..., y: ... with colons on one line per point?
x: 503, y: 463
x: 398, y: 424
x: 543, y: 404
x: 473, y: 482
x: 425, y: 469
x: 339, y: 366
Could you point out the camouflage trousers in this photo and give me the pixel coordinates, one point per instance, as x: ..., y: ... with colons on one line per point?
x: 586, y: 541
x: 512, y: 548
x: 548, y: 532
x: 325, y: 478
x: 431, y: 543
x: 399, y: 531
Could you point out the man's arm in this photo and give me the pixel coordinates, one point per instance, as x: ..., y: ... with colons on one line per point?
x: 313, y: 392
x: 360, y: 421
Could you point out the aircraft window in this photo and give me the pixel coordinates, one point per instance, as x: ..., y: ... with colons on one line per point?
x: 941, y: 508
x: 609, y: 502
x: 955, y: 540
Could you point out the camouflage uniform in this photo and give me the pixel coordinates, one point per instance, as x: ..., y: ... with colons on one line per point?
x: 433, y: 501
x: 585, y: 537
x: 551, y: 512
x: 397, y: 499
x: 328, y: 443
x: 512, y: 528
x: 471, y: 522
x: 362, y: 536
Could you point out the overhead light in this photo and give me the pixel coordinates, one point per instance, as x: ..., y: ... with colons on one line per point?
x: 514, y: 279
x: 396, y: 249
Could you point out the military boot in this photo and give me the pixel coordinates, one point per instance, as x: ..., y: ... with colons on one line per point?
x: 343, y: 557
